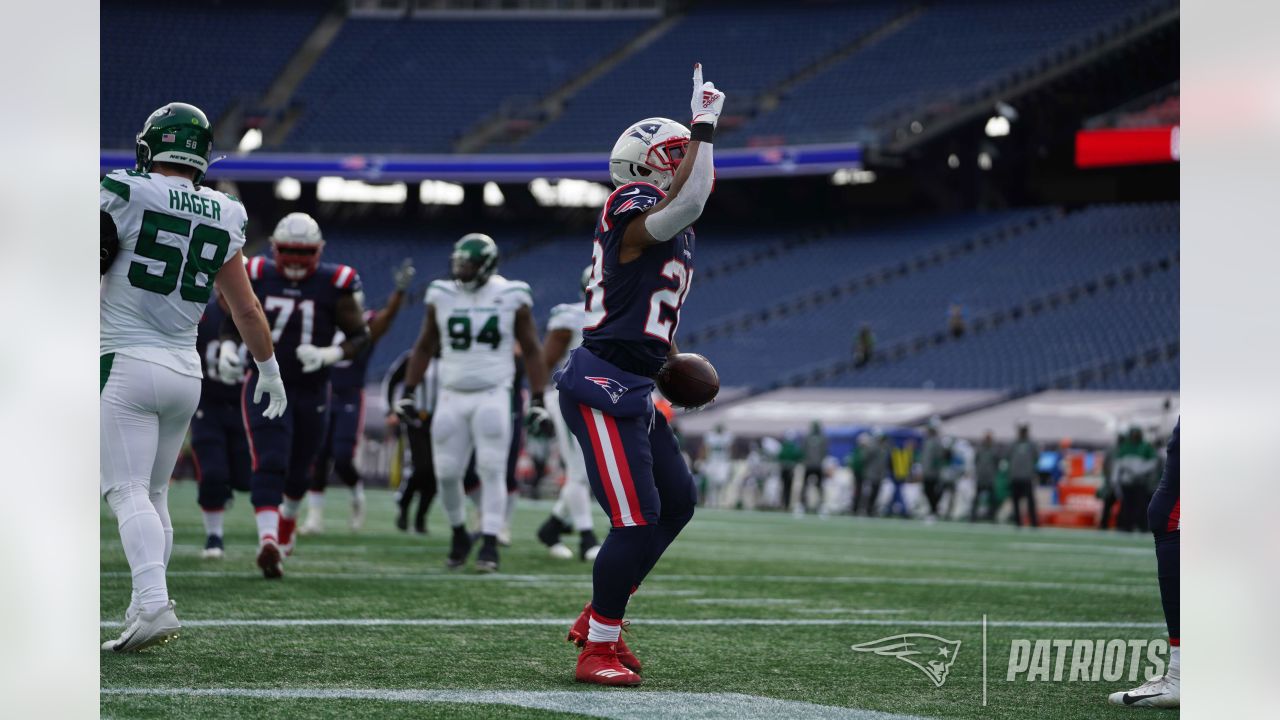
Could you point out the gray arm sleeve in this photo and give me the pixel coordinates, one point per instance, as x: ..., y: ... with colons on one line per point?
x: 687, y: 205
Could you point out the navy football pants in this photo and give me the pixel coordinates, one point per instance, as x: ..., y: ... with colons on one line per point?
x: 284, y: 449
x: 1165, y: 516
x: 221, y: 451
x: 346, y: 422
x: 644, y: 485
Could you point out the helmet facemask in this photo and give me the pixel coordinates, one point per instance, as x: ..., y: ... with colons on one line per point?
x: 474, y: 260
x: 297, y: 261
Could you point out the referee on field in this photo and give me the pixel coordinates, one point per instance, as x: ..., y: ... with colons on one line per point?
x: 418, y: 431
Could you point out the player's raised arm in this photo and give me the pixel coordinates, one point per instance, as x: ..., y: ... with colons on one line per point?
x: 251, y: 322
x: 693, y: 179
x: 381, y: 322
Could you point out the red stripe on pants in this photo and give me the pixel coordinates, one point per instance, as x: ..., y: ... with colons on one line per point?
x: 628, y: 487
x: 615, y: 511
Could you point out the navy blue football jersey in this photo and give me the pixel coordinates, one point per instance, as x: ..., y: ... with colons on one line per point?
x: 633, y: 309
x: 350, y: 374
x: 301, y: 312
x: 208, y: 343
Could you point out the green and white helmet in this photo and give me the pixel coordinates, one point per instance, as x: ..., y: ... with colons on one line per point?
x: 177, y: 133
x: 474, y: 260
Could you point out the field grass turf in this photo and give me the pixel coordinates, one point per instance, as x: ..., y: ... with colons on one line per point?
x: 779, y: 601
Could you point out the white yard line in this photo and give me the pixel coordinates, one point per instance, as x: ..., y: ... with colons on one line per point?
x: 303, y: 575
x: 653, y: 622
x: 635, y: 705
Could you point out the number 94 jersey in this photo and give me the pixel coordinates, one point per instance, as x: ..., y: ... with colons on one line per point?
x: 174, y: 238
x: 633, y: 309
x: 477, y: 331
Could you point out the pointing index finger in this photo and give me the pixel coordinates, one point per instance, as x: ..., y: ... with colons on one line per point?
x: 697, y: 75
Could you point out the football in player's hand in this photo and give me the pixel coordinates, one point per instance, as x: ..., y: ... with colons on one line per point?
x: 688, y: 380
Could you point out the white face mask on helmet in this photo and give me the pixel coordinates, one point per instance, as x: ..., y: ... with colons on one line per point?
x: 296, y: 245
x: 649, y: 151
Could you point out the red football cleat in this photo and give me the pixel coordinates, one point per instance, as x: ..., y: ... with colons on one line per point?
x: 598, y: 663
x: 287, y: 527
x: 578, y: 636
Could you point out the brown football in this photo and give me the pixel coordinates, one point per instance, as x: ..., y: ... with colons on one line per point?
x: 688, y: 380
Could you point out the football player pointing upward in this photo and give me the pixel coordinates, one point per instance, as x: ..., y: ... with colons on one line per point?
x: 472, y: 320
x: 166, y: 240
x: 642, y: 259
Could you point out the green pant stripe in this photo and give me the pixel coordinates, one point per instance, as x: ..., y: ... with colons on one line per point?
x: 104, y: 369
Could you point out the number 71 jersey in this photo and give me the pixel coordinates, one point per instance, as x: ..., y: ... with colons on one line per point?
x: 477, y: 331
x: 174, y: 238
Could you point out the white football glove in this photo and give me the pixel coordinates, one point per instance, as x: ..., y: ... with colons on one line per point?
x: 403, y: 275
x: 313, y: 358
x: 270, y: 383
x: 707, y: 101
x: 230, y: 366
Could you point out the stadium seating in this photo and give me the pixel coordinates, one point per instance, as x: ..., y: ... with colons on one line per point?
x: 951, y: 48
x: 745, y: 50
x: 398, y: 85
x: 1082, y: 249
x: 172, y: 52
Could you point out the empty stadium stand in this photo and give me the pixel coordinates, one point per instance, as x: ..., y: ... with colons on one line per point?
x: 159, y: 65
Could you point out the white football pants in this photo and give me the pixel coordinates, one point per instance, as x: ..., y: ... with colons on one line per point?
x: 144, y: 412
x: 464, y: 421
x: 574, y: 501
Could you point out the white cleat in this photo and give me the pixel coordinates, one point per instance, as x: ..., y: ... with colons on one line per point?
x: 591, y: 553
x: 148, y: 628
x: 504, y: 537
x: 314, y: 524
x: 357, y: 512
x: 211, y: 553
x: 1162, y: 692
x: 560, y: 551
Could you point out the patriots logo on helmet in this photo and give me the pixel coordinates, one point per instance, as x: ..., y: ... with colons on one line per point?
x: 936, y: 654
x: 612, y: 388
x: 645, y: 131
x: 641, y: 202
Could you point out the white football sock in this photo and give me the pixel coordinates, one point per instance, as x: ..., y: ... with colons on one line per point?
x: 603, y: 632
x: 454, y: 505
x: 493, y: 501
x: 212, y: 522
x: 511, y: 507
x: 268, y: 524
x: 289, y: 508
x: 315, y: 500
x: 357, y: 490
x: 142, y: 535
x: 160, y: 501
x: 578, y: 497
x: 1175, y: 663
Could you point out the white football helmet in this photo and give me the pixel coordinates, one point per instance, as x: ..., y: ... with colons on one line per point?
x: 649, y: 151
x: 296, y: 245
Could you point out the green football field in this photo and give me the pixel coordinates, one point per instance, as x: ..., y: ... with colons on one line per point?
x: 747, y: 615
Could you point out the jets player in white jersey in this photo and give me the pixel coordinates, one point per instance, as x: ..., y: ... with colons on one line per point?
x: 564, y: 333
x: 473, y: 320
x: 717, y: 463
x: 166, y: 241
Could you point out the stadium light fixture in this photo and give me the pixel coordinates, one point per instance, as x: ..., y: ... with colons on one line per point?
x: 439, y: 192
x: 984, y: 160
x: 336, y: 189
x: 953, y: 161
x: 493, y: 195
x: 853, y: 176
x: 288, y: 188
x: 568, y: 193
x: 251, y: 141
x: 997, y: 126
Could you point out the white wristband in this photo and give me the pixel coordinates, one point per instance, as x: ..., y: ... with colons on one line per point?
x: 269, y: 367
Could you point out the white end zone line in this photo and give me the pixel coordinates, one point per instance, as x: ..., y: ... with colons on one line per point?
x: 638, y: 705
x: 651, y: 622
